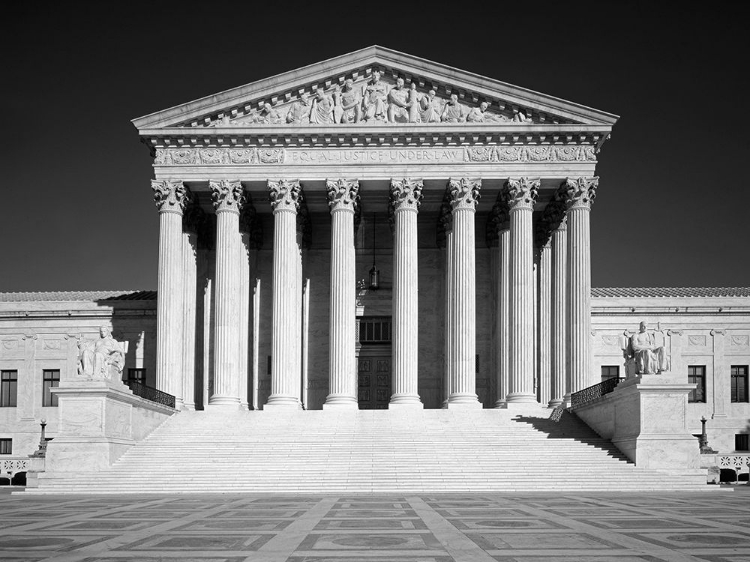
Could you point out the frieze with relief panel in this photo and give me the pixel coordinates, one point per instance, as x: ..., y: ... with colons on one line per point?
x: 323, y: 156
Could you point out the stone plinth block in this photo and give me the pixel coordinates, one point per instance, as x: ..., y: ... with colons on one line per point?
x: 99, y: 421
x: 646, y: 419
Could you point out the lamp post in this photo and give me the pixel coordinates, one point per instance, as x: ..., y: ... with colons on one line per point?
x: 42, y: 450
x: 703, y: 439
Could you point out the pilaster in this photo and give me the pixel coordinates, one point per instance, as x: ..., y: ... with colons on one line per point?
x: 405, y: 198
x: 343, y: 198
x: 720, y: 388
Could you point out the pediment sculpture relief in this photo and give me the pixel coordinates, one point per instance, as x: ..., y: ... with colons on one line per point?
x: 103, y: 358
x: 374, y: 100
x: 646, y: 350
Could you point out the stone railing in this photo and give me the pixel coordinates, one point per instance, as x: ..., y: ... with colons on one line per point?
x: 10, y: 466
x: 735, y: 461
x: 593, y: 392
x: 150, y: 393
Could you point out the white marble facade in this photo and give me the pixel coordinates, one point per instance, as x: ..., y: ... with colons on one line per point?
x: 471, y: 197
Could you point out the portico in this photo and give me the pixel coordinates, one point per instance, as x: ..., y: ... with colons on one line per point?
x: 307, y: 207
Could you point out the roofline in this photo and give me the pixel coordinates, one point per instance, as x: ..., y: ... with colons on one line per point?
x: 372, y: 55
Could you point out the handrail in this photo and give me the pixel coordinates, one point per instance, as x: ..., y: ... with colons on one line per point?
x: 150, y: 393
x: 593, y: 392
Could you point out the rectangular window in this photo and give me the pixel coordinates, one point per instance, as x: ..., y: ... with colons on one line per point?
x: 8, y: 388
x: 50, y: 379
x: 742, y: 442
x: 374, y: 329
x: 739, y: 383
x: 697, y: 376
x: 137, y: 375
x: 610, y: 371
x: 6, y: 446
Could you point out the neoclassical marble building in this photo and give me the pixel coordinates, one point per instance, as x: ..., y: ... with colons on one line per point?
x: 376, y: 231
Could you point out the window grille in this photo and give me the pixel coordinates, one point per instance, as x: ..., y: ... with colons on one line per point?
x: 374, y: 329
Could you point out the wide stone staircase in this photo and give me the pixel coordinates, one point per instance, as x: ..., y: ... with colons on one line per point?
x: 370, y: 451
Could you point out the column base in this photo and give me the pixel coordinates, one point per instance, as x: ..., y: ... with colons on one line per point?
x: 501, y: 404
x: 465, y: 405
x: 341, y: 405
x: 566, y: 401
x: 232, y: 401
x: 555, y: 403
x: 464, y: 401
x: 520, y: 398
x: 406, y: 401
x: 228, y: 407
x: 282, y: 402
x: 189, y: 406
x: 179, y: 404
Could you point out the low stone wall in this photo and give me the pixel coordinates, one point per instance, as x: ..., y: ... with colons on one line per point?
x: 645, y: 417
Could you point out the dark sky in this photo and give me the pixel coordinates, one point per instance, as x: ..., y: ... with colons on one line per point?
x: 672, y: 205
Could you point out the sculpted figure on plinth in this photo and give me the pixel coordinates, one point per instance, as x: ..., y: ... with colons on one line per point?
x: 650, y: 359
x: 375, y: 99
x: 103, y: 358
x: 348, y: 100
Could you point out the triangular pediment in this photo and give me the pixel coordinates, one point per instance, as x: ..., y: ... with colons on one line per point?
x: 374, y: 86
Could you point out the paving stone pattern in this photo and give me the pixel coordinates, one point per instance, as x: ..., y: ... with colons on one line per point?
x: 413, y: 528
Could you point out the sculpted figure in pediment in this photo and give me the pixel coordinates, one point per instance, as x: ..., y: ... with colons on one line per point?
x: 477, y: 114
x: 347, y: 104
x: 375, y: 99
x: 299, y: 112
x: 321, y: 110
x: 429, y: 108
x: 268, y: 115
x: 453, y: 112
x: 520, y: 117
x: 400, y: 102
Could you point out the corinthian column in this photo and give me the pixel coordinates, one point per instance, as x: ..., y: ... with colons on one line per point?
x: 285, y: 337
x: 503, y: 304
x: 171, y: 197
x: 544, y: 317
x: 445, y: 240
x: 464, y: 197
x: 521, y: 195
x: 406, y: 196
x: 192, y: 220
x: 580, y: 193
x: 228, y: 198
x: 555, y: 217
x: 247, y: 219
x: 343, y: 198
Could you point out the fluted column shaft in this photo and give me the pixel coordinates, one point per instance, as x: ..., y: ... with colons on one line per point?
x: 285, y: 340
x: 559, y: 312
x: 405, y: 198
x: 544, y: 317
x: 448, y: 336
x: 503, y: 316
x: 244, y: 316
x: 580, y: 196
x: 228, y: 198
x: 189, y: 248
x: 171, y: 197
x: 464, y: 197
x: 521, y: 195
x: 342, y: 200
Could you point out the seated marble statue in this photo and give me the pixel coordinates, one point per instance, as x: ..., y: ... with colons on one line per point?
x: 649, y: 359
x: 103, y: 358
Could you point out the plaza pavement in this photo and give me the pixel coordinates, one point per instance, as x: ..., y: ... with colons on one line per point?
x: 710, y: 526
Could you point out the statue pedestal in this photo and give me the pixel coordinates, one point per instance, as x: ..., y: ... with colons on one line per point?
x: 99, y: 421
x: 646, y: 419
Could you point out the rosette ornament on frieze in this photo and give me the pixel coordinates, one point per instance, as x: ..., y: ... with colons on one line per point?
x: 170, y: 196
x: 464, y: 193
x: 227, y: 195
x: 406, y: 194
x: 521, y: 193
x: 343, y: 194
x: 284, y: 195
x: 580, y: 192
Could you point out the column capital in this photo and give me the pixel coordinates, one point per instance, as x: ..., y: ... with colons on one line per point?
x: 343, y: 194
x: 227, y: 195
x: 580, y: 192
x: 170, y: 196
x: 285, y: 195
x: 406, y: 194
x: 521, y: 193
x: 464, y: 193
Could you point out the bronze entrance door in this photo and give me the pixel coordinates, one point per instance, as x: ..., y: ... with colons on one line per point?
x: 374, y: 374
